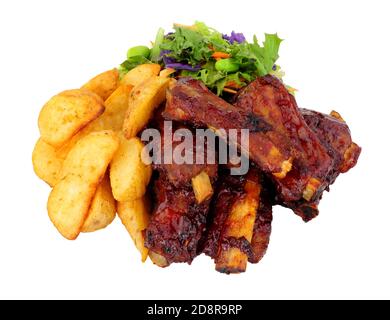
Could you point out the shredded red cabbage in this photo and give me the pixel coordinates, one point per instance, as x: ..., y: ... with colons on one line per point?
x: 170, y: 62
x: 182, y: 66
x: 234, y: 37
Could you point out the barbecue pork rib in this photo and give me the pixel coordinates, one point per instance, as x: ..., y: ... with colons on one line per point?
x: 190, y: 101
x: 268, y: 98
x: 332, y: 135
x: 335, y: 136
x: 179, y: 219
x: 237, y: 229
x: 181, y: 174
x: 177, y: 223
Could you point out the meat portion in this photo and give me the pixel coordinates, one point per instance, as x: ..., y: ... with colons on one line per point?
x: 228, y: 190
x: 179, y: 218
x: 268, y: 98
x: 180, y: 174
x: 283, y: 142
x: 296, y: 154
x: 232, y: 222
x: 189, y: 100
x: 177, y: 222
x: 335, y: 136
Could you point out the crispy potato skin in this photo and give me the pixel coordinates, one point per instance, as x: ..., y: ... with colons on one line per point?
x: 116, y: 107
x: 69, y: 203
x: 135, y: 217
x: 66, y: 114
x: 82, y: 171
x: 103, y: 208
x: 104, y: 84
x: 91, y: 154
x: 46, y: 163
x: 129, y: 175
x: 140, y: 74
x: 144, y: 99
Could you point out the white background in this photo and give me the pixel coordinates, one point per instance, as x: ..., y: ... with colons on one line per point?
x: 335, y: 52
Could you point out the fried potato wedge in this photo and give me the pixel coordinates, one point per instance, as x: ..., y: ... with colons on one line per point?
x: 81, y: 173
x: 116, y: 107
x: 239, y: 224
x: 140, y: 74
x: 135, y: 217
x: 67, y: 113
x: 129, y: 174
x: 103, y: 208
x: 47, y: 165
x: 68, y: 204
x: 103, y: 84
x: 144, y: 99
x: 90, y: 154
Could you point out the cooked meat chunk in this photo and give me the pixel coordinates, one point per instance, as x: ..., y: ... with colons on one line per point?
x: 177, y: 222
x: 180, y: 174
x: 335, y: 136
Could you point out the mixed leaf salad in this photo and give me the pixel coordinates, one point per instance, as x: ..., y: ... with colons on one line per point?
x: 223, y: 62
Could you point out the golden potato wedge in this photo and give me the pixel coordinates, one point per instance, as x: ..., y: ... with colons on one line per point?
x: 91, y: 154
x: 67, y: 113
x: 68, y: 204
x: 103, y: 84
x: 48, y: 161
x: 141, y: 73
x: 135, y: 217
x: 239, y: 224
x: 116, y: 107
x: 63, y: 151
x: 81, y: 173
x: 47, y: 165
x: 144, y: 99
x: 129, y: 175
x: 158, y: 259
x: 103, y: 208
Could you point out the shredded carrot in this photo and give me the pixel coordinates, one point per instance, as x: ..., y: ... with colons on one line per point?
x: 230, y: 90
x: 221, y: 55
x: 232, y: 84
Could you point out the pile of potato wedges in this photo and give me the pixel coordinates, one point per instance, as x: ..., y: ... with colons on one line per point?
x: 89, y: 153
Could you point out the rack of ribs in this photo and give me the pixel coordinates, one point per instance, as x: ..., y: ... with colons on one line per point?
x: 280, y: 141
